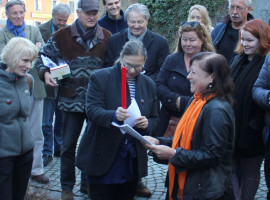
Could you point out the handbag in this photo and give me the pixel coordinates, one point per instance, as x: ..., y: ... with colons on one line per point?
x: 173, y: 122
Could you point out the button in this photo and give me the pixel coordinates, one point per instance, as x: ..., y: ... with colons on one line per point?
x: 174, y: 77
x: 169, y: 100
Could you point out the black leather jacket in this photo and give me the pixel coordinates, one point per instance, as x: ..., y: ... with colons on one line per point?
x: 208, y: 163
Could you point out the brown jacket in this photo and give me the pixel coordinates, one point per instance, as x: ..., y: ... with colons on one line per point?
x: 67, y: 45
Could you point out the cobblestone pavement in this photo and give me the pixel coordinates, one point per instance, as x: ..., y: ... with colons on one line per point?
x: 154, y: 181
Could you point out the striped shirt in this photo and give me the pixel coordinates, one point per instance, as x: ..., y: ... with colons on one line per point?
x: 132, y: 87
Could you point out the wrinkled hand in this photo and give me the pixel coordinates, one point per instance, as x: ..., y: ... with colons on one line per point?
x: 163, y: 152
x: 142, y: 122
x: 150, y: 139
x: 49, y: 80
x: 122, y: 114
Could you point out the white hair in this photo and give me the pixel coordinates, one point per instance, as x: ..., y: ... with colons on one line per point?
x: 247, y: 2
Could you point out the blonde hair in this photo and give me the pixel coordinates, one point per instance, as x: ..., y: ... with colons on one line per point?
x: 202, y: 34
x: 14, y: 50
x: 204, y: 14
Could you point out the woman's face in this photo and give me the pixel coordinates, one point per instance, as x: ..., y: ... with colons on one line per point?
x: 23, y: 65
x: 249, y: 42
x: 133, y: 64
x: 191, y: 43
x: 199, y: 79
x: 195, y: 15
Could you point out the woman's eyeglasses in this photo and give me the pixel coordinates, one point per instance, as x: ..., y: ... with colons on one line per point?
x: 193, y: 24
x: 128, y: 66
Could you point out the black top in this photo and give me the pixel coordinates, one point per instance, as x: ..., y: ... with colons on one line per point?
x: 228, y: 42
x: 249, y: 121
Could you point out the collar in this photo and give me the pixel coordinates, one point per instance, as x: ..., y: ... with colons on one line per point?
x: 131, y: 37
x: 11, y: 77
x: 74, y: 31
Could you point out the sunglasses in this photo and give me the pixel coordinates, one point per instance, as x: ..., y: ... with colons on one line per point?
x: 192, y: 24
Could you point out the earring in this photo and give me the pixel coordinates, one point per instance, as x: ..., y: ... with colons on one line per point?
x: 210, y: 86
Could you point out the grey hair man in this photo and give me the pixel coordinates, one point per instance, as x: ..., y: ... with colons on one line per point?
x: 60, y: 15
x: 137, y: 16
x: 225, y: 34
x: 16, y: 27
x: 52, y: 131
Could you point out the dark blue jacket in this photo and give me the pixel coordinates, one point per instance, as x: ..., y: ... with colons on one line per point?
x: 113, y: 25
x: 100, y: 144
x: 171, y: 74
x: 261, y: 90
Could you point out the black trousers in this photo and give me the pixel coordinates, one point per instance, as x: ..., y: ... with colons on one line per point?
x: 73, y: 124
x: 125, y: 191
x: 14, y: 176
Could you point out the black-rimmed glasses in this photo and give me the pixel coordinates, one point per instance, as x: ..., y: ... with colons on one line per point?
x: 128, y: 66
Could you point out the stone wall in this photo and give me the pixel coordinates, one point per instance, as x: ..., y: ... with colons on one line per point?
x: 261, y: 9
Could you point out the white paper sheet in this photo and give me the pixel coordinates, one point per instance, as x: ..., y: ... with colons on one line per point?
x: 126, y: 128
x: 134, y: 112
x: 48, y: 62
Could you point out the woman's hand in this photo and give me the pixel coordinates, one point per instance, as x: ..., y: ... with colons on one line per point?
x: 142, y: 122
x: 49, y: 80
x: 122, y: 114
x: 163, y: 152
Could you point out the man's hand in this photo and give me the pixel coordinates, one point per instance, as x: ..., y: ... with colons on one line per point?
x: 49, y: 80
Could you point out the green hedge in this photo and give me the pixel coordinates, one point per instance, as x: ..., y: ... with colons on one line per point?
x: 167, y: 15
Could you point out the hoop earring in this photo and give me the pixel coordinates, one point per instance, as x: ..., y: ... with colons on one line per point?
x: 210, y: 86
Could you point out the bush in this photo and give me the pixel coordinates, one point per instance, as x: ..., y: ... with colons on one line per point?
x: 167, y: 15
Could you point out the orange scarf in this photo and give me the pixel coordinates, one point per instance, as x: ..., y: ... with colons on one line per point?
x: 184, y: 130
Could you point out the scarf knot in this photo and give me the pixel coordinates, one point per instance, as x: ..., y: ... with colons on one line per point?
x: 16, y: 30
